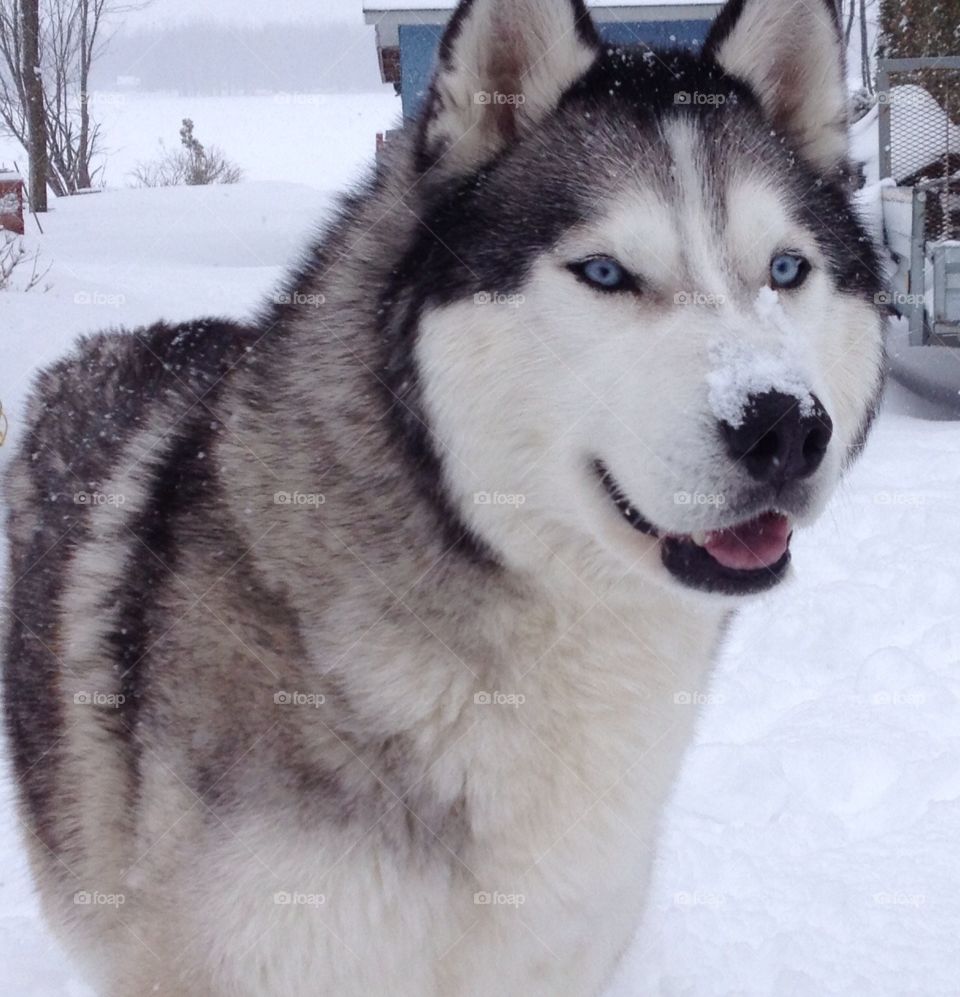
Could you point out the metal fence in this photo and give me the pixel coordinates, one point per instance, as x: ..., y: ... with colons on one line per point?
x: 919, y: 108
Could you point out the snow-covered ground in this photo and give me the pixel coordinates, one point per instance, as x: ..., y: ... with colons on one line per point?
x: 811, y: 848
x: 318, y: 139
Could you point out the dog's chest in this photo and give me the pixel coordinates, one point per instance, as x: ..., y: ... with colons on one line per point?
x: 568, y: 769
x: 559, y: 771
x: 568, y: 765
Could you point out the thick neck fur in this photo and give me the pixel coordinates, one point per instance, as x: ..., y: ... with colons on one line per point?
x: 375, y: 540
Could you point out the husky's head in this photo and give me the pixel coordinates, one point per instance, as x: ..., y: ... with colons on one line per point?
x: 640, y: 319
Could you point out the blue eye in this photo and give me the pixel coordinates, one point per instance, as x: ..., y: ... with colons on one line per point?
x: 604, y: 273
x: 788, y: 270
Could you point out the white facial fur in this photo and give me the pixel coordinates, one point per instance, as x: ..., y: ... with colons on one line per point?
x: 523, y: 394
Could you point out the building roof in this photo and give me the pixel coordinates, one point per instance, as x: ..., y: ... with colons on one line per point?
x: 371, y: 6
x: 390, y: 17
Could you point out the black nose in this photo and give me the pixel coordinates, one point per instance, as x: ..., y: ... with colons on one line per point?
x: 781, y: 438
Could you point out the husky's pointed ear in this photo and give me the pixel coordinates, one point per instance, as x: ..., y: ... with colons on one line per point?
x: 791, y: 54
x: 504, y: 64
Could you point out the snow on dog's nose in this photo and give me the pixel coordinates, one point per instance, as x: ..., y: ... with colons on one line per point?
x: 779, y: 438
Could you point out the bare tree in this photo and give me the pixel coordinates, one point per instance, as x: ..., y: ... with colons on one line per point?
x: 31, y: 87
x: 856, y: 14
x: 70, y: 39
x: 91, y: 13
x: 866, y: 56
x: 848, y: 13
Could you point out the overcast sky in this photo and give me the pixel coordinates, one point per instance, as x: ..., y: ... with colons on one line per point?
x: 163, y: 12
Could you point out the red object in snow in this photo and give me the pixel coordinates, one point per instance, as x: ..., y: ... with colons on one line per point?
x: 11, y: 202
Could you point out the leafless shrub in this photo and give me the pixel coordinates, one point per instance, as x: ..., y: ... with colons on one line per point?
x: 193, y: 165
x: 14, y: 255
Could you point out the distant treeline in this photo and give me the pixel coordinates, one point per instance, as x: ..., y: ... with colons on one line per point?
x: 215, y: 59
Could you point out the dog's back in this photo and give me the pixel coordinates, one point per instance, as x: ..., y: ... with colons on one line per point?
x: 82, y: 414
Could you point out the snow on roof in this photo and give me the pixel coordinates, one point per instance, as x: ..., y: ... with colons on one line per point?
x: 384, y: 5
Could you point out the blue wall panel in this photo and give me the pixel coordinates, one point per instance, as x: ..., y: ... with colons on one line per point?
x: 419, y: 44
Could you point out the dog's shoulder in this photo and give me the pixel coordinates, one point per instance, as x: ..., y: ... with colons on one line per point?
x: 85, y: 407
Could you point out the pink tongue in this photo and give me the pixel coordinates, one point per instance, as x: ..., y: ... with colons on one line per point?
x: 758, y: 544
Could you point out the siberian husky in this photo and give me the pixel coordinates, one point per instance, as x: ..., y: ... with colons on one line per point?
x: 352, y: 652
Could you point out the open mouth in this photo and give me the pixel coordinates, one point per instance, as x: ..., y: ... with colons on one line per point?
x: 743, y: 559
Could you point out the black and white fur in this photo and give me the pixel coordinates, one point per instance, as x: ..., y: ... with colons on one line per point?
x: 414, y: 735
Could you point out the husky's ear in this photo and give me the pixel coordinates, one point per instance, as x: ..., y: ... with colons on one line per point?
x: 791, y: 54
x: 504, y: 65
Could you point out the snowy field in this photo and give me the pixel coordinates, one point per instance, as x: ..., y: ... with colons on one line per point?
x: 813, y: 847
x: 318, y: 139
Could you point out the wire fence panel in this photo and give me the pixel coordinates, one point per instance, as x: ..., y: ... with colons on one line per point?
x: 919, y: 102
